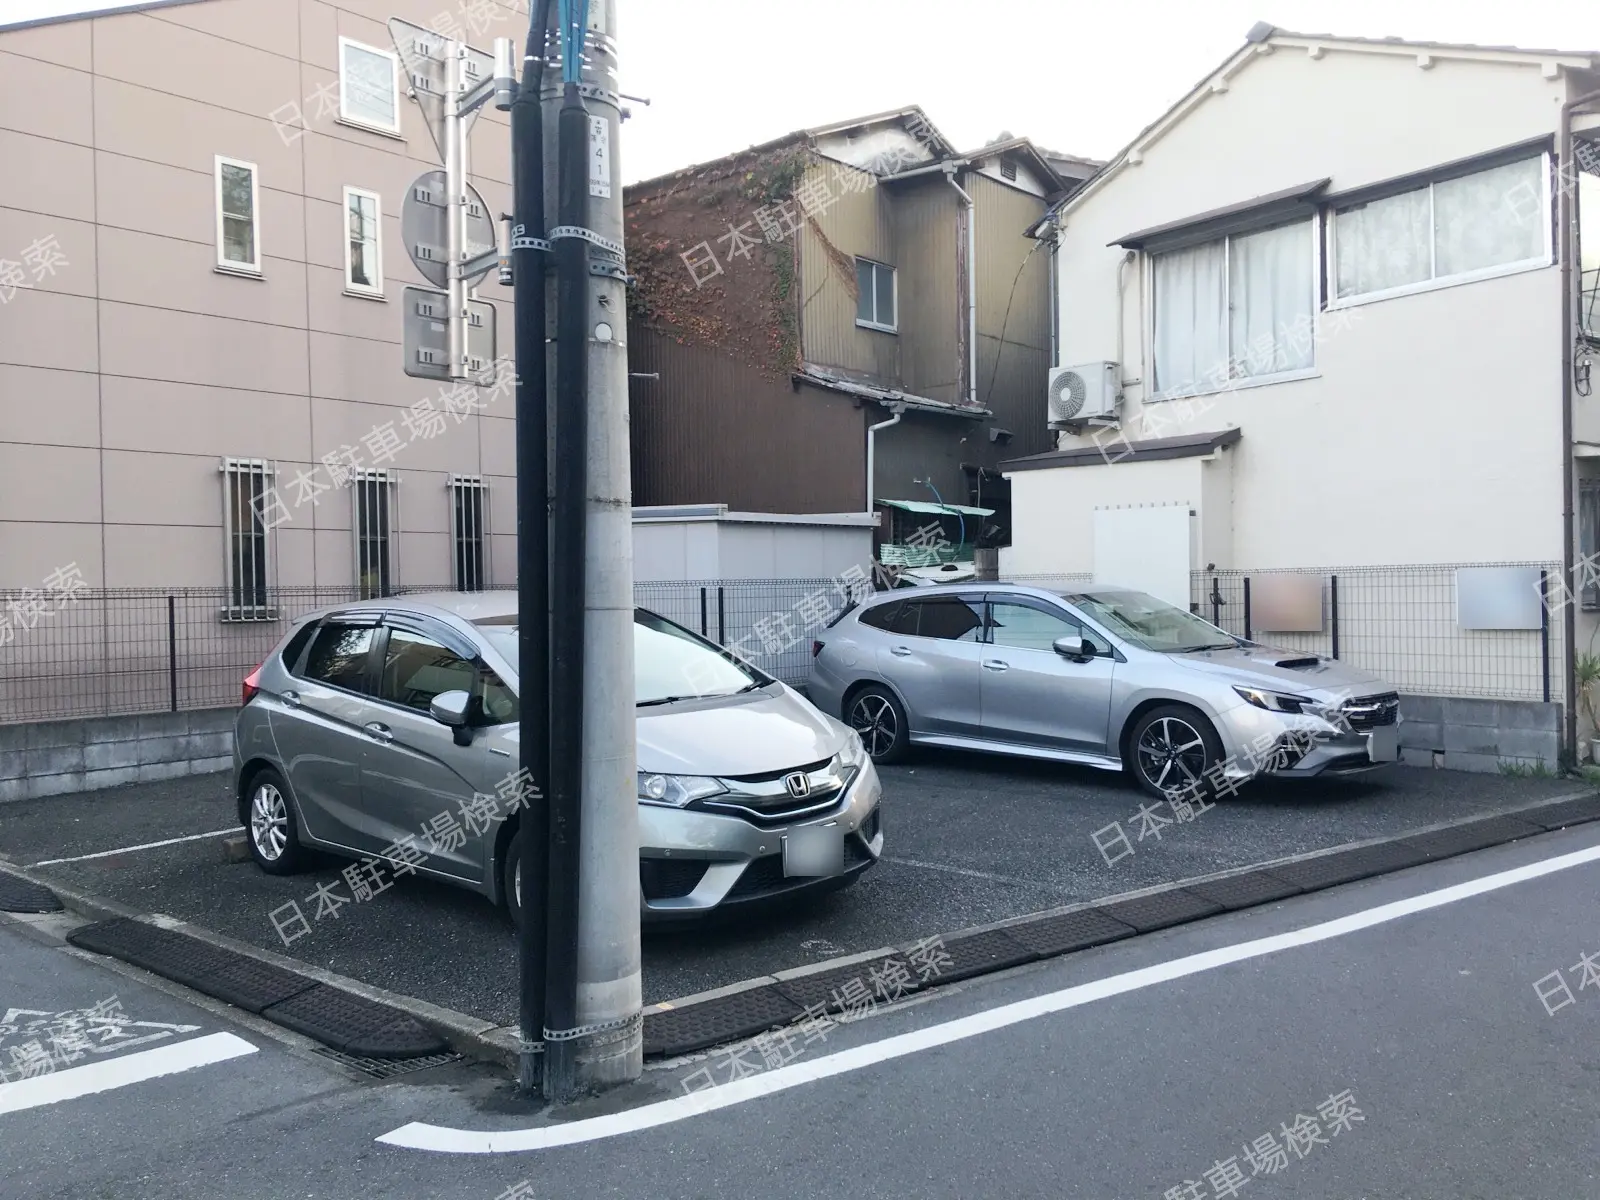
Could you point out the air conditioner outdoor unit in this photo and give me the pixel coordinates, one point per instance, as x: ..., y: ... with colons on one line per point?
x: 1080, y: 394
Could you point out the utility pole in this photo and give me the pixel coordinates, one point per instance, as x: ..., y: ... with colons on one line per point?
x: 593, y: 1019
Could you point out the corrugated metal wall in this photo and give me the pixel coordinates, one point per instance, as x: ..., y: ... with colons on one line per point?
x: 713, y: 430
x: 928, y: 243
x: 857, y: 222
x: 1014, y: 346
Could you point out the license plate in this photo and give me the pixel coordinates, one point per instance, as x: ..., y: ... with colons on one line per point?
x: 1383, y: 744
x: 814, y: 852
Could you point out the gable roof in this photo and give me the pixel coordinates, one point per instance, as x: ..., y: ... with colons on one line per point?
x: 1263, y: 38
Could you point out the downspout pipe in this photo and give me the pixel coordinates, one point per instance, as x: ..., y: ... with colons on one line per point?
x: 972, y: 286
x: 1571, y: 280
x: 872, y: 439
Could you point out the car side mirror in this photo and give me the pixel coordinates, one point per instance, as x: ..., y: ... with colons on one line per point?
x: 450, y: 708
x: 1073, y: 647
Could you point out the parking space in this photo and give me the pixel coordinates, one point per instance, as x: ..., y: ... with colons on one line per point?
x: 969, y: 840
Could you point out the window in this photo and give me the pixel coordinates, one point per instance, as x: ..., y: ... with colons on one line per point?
x: 669, y: 661
x: 1236, y: 308
x: 372, y: 498
x: 297, y: 645
x: 875, y: 295
x: 948, y: 620
x: 883, y: 617
x: 238, y: 235
x: 1008, y: 170
x: 416, y: 669
x: 1588, y: 164
x: 1023, y: 627
x: 368, y: 94
x: 1452, y: 230
x: 363, y: 243
x: 467, y: 503
x: 246, y: 503
x: 338, y: 656
x: 1588, y: 543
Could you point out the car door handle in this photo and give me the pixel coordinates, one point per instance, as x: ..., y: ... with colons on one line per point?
x: 994, y: 664
x: 292, y: 699
x: 901, y: 651
x: 378, y: 731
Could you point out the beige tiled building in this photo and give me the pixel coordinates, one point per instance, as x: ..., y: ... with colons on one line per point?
x: 200, y: 301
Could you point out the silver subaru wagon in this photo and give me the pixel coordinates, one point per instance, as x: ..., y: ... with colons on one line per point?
x: 386, y: 731
x: 1111, y: 678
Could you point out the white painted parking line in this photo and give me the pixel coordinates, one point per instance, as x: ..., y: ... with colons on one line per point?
x: 193, y: 837
x: 69, y: 1084
x: 422, y: 1136
x: 971, y: 874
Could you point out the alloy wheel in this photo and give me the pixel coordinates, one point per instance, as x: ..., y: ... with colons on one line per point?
x: 1171, y: 755
x: 872, y: 717
x: 269, y: 822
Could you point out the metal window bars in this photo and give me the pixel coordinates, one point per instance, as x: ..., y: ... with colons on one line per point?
x: 373, y: 517
x: 469, y: 532
x: 246, y: 505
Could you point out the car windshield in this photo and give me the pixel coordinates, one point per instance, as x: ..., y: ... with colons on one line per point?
x: 669, y: 662
x: 1150, y: 623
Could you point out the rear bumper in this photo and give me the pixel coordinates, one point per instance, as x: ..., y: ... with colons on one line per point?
x: 725, y: 861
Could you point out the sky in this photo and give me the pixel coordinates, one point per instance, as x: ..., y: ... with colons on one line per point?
x: 1078, y: 76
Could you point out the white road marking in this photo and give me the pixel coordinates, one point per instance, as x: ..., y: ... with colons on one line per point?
x: 193, y: 837
x: 422, y: 1136
x: 971, y: 874
x: 121, y: 1071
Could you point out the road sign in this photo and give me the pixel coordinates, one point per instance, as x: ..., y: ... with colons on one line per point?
x: 426, y: 334
x: 425, y: 229
x: 423, y: 52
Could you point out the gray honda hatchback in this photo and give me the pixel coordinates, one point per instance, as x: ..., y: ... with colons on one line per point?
x: 386, y: 732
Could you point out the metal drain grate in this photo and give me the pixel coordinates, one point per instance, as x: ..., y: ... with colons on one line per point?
x: 388, y: 1068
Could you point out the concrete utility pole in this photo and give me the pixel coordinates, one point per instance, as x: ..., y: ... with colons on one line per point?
x: 594, y: 1032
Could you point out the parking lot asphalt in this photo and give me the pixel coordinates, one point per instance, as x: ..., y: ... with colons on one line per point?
x: 969, y: 839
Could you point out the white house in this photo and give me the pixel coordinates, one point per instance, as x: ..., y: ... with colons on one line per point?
x: 1328, y: 338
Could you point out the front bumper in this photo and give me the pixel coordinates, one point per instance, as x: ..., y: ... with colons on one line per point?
x: 692, y: 863
x: 1257, y: 742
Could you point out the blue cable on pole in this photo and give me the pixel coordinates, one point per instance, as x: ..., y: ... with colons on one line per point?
x: 574, y: 20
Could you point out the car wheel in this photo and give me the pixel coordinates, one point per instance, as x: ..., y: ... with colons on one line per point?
x: 1171, y: 749
x: 877, y: 716
x: 511, y: 878
x: 273, y: 836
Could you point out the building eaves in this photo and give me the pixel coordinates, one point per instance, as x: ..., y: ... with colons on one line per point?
x: 888, y: 397
x: 1188, y: 445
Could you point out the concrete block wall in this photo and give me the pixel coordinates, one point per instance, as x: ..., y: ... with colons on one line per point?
x: 48, y: 758
x: 1462, y: 734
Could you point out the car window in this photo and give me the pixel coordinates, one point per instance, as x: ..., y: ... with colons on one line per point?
x: 296, y: 645
x: 416, y: 669
x: 496, y: 701
x: 338, y: 656
x: 1023, y: 627
x: 946, y: 618
x: 882, y: 617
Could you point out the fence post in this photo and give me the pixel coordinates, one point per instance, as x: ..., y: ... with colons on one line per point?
x: 1216, y: 602
x: 1333, y: 611
x: 1247, y: 636
x: 1544, y: 637
x: 702, y: 612
x: 721, y: 635
x: 172, y: 651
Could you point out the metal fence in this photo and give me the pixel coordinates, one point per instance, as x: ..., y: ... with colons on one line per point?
x: 122, y: 651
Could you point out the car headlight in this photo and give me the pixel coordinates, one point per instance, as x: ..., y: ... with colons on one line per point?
x: 854, y: 753
x: 675, y: 791
x: 1282, y: 702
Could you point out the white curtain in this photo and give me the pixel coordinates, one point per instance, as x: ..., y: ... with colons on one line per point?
x: 1191, y: 332
x: 1490, y: 218
x: 1382, y: 244
x: 1270, y: 297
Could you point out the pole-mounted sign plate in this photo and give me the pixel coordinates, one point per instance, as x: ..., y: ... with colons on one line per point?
x: 425, y: 229
x: 426, y: 335
x: 422, y: 52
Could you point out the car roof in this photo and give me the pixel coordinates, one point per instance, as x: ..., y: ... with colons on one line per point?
x: 968, y: 588
x: 496, y: 607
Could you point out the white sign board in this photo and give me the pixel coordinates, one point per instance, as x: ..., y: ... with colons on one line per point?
x: 1145, y: 549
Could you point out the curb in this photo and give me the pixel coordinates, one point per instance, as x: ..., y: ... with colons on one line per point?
x: 833, y: 987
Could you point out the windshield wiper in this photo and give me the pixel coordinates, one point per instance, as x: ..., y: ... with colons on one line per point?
x: 1205, y: 646
x: 749, y: 687
x: 664, y: 700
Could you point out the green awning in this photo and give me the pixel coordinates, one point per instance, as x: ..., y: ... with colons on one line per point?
x: 927, y: 506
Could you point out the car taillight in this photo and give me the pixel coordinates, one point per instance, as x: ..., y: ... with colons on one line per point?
x: 816, y: 648
x: 252, y: 685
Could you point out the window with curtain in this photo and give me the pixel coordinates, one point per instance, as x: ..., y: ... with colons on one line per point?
x: 1237, y: 308
x: 1588, y: 165
x: 238, y: 240
x: 1586, y: 577
x: 1453, y: 228
x: 363, y: 263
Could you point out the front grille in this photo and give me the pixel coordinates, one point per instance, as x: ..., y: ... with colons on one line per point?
x: 1372, y: 712
x: 766, y: 810
x: 668, y: 878
x: 855, y: 851
x: 762, y: 875
x: 869, y: 827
